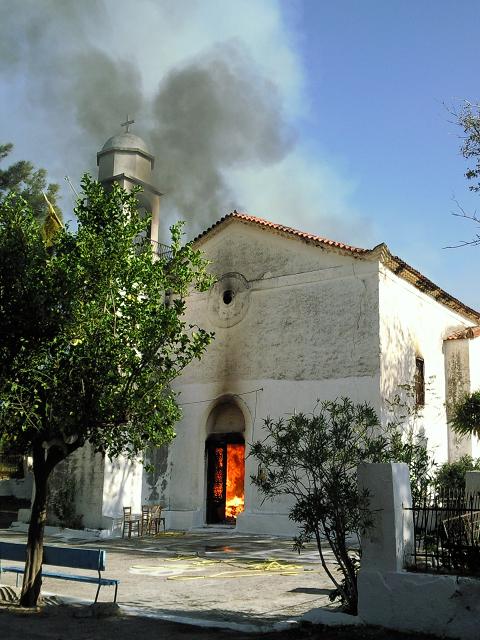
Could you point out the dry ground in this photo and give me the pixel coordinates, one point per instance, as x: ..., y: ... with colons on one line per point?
x: 83, y: 623
x: 215, y: 578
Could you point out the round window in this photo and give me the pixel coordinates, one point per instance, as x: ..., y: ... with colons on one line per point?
x: 229, y: 299
x: 228, y: 295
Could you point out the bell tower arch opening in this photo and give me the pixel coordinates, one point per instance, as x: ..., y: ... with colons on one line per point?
x: 225, y: 460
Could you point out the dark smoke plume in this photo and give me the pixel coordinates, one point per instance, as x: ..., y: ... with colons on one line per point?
x: 211, y: 116
x: 213, y: 119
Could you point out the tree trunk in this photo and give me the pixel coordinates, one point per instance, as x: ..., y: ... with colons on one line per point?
x: 32, y: 579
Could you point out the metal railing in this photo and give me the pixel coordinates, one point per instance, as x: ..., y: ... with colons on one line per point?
x: 446, y: 533
x: 163, y: 251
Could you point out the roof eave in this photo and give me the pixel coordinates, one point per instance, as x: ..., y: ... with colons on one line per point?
x: 380, y: 252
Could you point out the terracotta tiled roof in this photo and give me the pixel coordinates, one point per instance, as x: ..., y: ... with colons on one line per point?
x: 465, y: 334
x: 408, y: 273
x: 381, y: 252
x: 309, y: 237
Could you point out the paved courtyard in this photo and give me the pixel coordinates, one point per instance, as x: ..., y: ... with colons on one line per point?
x: 217, y: 577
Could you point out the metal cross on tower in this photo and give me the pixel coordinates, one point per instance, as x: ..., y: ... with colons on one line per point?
x: 127, y: 124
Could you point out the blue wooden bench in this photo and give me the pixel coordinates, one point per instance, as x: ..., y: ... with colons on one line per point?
x: 75, y: 558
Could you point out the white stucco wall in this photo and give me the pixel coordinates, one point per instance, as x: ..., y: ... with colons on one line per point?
x: 303, y: 326
x: 122, y: 486
x: 388, y: 595
x: 186, y: 492
x: 18, y: 488
x: 446, y: 606
x: 414, y: 324
x: 78, y: 480
x: 98, y: 486
x: 304, y: 313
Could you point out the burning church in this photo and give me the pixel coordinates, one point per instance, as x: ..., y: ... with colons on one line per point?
x: 297, y: 318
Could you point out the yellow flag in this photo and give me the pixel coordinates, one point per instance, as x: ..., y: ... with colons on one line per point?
x: 52, y: 222
x: 52, y: 211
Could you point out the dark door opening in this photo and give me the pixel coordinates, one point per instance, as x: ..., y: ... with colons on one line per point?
x: 225, y: 477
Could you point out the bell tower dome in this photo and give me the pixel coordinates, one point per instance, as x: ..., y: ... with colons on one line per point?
x: 126, y: 159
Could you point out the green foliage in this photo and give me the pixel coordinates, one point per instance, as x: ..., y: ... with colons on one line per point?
x: 451, y: 475
x: 88, y: 348
x: 407, y: 443
x: 314, y: 459
x: 468, y: 117
x: 410, y: 448
x: 89, y: 345
x: 30, y: 183
x: 466, y: 415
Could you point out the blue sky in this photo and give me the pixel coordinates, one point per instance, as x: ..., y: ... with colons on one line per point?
x: 328, y: 116
x: 384, y: 75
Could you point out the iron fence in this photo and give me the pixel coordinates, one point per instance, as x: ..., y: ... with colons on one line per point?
x: 446, y: 533
x: 11, y: 466
x: 163, y: 251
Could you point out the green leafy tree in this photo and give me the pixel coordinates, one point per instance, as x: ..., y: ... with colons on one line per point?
x: 467, y: 117
x: 88, y: 343
x: 31, y: 184
x: 407, y: 444
x: 451, y: 475
x: 410, y: 448
x: 313, y: 459
x: 466, y: 415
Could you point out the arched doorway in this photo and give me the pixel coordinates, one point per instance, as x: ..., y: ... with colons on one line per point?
x: 225, y: 458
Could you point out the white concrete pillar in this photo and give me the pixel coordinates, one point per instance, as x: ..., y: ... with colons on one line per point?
x: 155, y: 225
x: 387, y: 543
x: 458, y: 383
x: 472, y: 482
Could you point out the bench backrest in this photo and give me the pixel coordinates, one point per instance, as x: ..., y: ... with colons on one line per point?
x: 76, y: 558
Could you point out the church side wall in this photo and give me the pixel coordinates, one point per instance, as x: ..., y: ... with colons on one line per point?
x: 413, y: 325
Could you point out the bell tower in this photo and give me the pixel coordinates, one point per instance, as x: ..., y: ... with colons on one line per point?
x: 126, y: 159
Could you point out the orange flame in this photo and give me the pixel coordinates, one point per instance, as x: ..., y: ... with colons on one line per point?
x: 235, y: 499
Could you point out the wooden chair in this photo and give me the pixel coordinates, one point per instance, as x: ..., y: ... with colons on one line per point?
x: 146, y: 526
x: 151, y: 519
x: 157, y: 518
x: 131, y: 522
